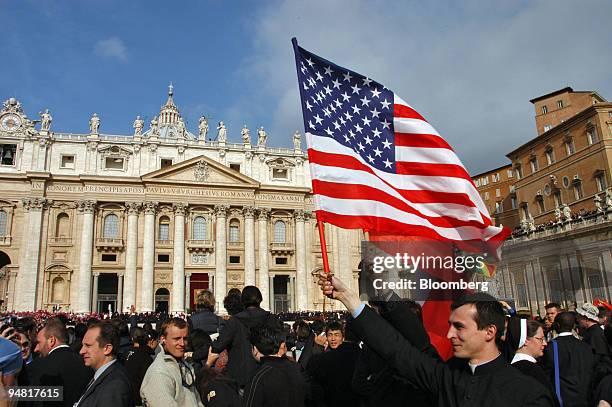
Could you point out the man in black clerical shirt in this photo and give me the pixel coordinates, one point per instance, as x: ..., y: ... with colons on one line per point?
x: 479, y: 377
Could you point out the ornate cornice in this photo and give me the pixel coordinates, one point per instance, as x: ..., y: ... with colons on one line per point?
x: 87, y: 206
x: 150, y: 207
x: 248, y: 212
x: 301, y: 215
x: 35, y: 203
x: 133, y: 208
x: 221, y: 210
x: 180, y: 208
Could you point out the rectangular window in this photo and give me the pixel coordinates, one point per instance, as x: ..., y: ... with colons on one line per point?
x: 510, y: 174
x: 67, y: 161
x: 163, y: 258
x: 164, y: 231
x: 497, y: 192
x: 519, y: 172
x: 557, y: 197
x: 541, y: 205
x: 109, y: 257
x: 555, y: 291
x: 234, y: 234
x: 550, y: 157
x: 569, y: 147
x: 499, y: 207
x: 485, y: 180
x: 534, y: 165
x: 496, y: 177
x: 113, y: 163
x: 477, y: 183
x: 592, y: 135
x: 234, y: 259
x: 597, y: 286
x: 544, y: 109
x: 547, y: 127
x: 280, y: 260
x: 578, y: 191
x: 166, y: 162
x: 513, y: 202
x: 560, y: 104
x: 521, y: 295
x: 280, y: 173
x: 601, y: 182
x: 486, y: 196
x: 235, y: 167
x: 7, y: 154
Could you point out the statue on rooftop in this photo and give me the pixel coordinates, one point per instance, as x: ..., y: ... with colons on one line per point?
x: 221, y: 133
x: 94, y: 124
x: 261, y: 137
x: 45, y: 120
x: 138, y: 126
x: 246, y: 135
x: 203, y: 127
x: 608, y: 199
x: 297, y: 140
x: 154, y: 126
x: 567, y: 213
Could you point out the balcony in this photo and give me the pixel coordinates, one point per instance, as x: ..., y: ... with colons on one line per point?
x: 60, y: 241
x: 236, y: 245
x: 108, y: 244
x: 282, y: 248
x: 200, y: 246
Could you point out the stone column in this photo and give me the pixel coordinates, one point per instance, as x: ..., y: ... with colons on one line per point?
x: 249, y: 245
x: 87, y: 208
x: 148, y: 257
x: 178, y: 265
x: 94, y: 298
x: 131, y: 254
x: 221, y: 256
x: 188, y: 290
x: 262, y: 220
x: 119, y: 293
x: 271, y: 285
x: 291, y: 291
x: 27, y: 278
x: 300, y: 260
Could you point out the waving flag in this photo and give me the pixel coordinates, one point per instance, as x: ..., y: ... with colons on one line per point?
x: 378, y: 165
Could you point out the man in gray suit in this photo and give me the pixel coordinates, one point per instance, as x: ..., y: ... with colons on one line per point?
x: 110, y: 386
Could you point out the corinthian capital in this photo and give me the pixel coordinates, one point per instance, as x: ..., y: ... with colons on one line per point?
x: 263, y: 213
x: 221, y: 210
x: 150, y: 207
x: 133, y: 208
x: 35, y: 203
x: 300, y: 215
x: 180, y: 208
x: 248, y: 211
x: 87, y: 206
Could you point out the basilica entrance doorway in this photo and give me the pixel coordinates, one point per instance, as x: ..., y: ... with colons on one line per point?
x: 107, y: 292
x: 162, y: 297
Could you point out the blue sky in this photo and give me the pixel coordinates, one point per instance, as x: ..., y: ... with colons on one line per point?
x: 469, y: 67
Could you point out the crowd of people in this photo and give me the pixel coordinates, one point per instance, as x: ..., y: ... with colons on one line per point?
x: 376, y: 354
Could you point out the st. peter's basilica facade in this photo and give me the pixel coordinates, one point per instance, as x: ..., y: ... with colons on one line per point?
x: 92, y: 222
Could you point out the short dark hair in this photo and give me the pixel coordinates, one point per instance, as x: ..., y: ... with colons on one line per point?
x: 251, y: 296
x: 109, y: 335
x: 55, y: 327
x: 180, y: 323
x: 267, y: 338
x: 139, y: 336
x: 532, y: 327
x: 552, y: 305
x: 198, y: 339
x: 334, y: 326
x: 565, y: 321
x: 489, y: 311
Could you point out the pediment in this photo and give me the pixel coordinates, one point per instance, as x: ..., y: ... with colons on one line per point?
x: 201, y: 170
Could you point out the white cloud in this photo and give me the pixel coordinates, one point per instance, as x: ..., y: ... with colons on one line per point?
x: 111, y: 48
x: 469, y: 67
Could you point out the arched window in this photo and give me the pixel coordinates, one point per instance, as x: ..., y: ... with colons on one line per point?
x: 3, y: 223
x: 280, y: 230
x: 57, y: 290
x: 62, y: 225
x: 234, y: 231
x: 111, y: 226
x: 199, y: 228
x: 164, y: 228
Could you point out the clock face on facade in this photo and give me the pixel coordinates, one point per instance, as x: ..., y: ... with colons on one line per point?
x: 10, y: 122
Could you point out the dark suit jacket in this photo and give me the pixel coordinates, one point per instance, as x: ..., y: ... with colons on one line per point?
x: 63, y: 367
x: 576, y: 362
x: 111, y: 389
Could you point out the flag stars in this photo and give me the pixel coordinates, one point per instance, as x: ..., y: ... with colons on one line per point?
x: 366, y: 121
x: 356, y: 89
x: 370, y: 158
x: 358, y: 128
x: 329, y: 132
x: 361, y: 146
x: 387, y: 144
x: 327, y: 90
x: 375, y: 93
x: 336, y: 84
x: 345, y: 97
x: 308, y: 106
x: 338, y: 103
x: 312, y: 126
x: 336, y: 125
x: 376, y: 133
x: 348, y: 116
x: 386, y: 124
x: 356, y: 109
x: 375, y: 113
x: 377, y: 152
x: 347, y: 77
x: 366, y: 81
x: 310, y: 63
x: 318, y: 119
x: 365, y: 101
x: 319, y: 76
x: 328, y: 71
x: 368, y: 140
x: 385, y: 104
x: 387, y: 163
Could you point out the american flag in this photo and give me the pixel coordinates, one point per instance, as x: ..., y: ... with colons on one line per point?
x: 378, y: 165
